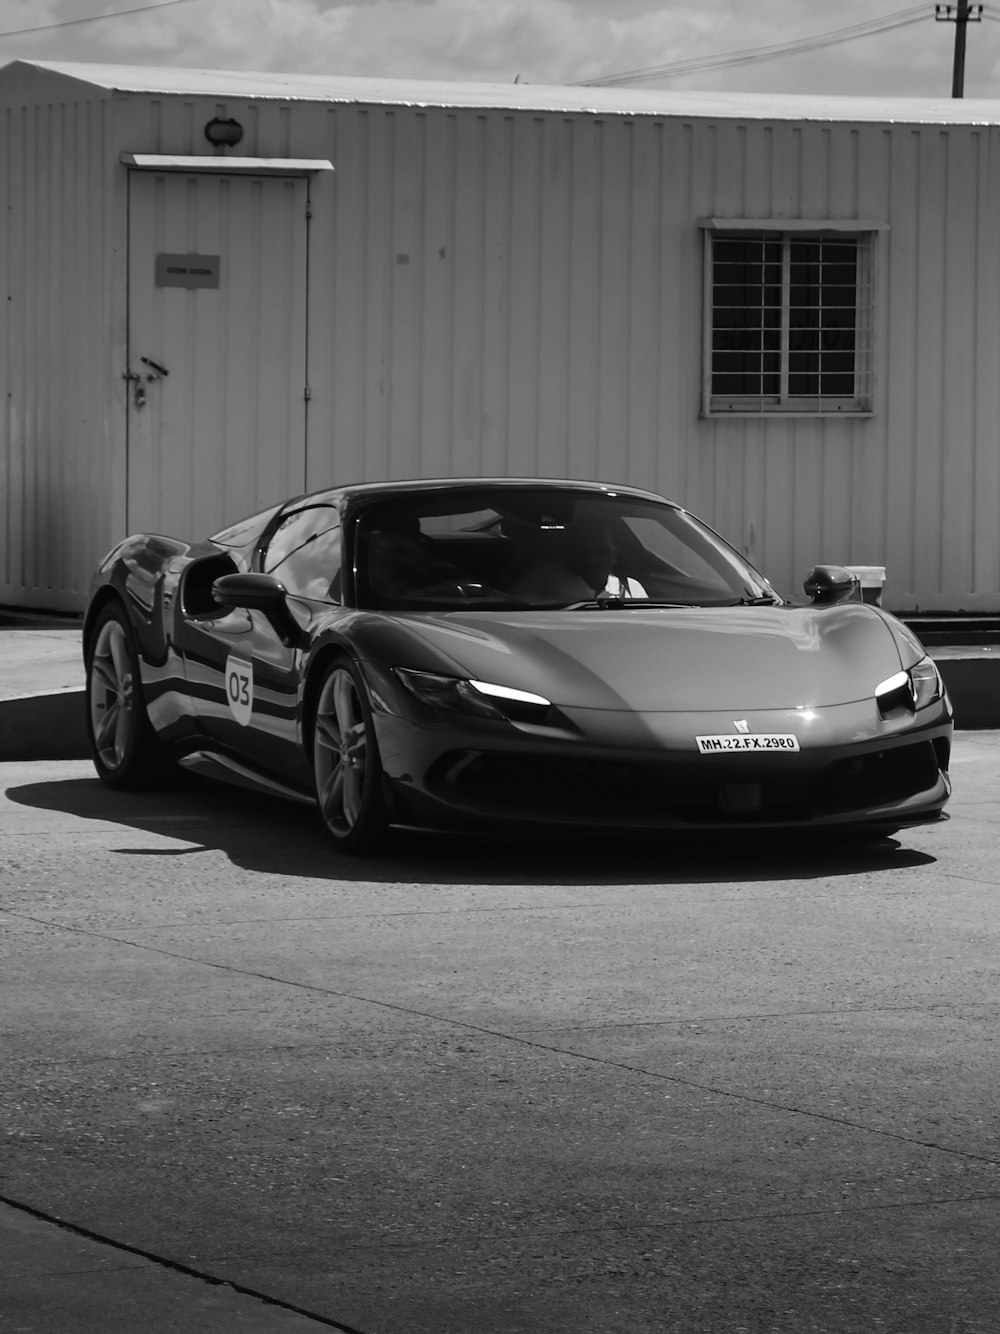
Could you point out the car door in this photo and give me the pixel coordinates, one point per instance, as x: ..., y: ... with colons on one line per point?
x: 244, y: 679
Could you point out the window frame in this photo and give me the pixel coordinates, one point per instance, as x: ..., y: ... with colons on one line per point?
x: 862, y: 402
x: 286, y: 519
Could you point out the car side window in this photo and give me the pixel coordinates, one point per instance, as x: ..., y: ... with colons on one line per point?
x: 304, y: 553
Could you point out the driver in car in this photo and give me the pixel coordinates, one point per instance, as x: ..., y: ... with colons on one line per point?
x: 589, y: 554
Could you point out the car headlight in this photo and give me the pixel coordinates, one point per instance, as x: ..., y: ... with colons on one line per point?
x: 457, y: 695
x: 910, y: 690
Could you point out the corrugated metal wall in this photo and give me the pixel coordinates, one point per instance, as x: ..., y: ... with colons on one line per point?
x: 521, y: 292
x: 516, y: 293
x: 525, y: 298
x: 60, y: 446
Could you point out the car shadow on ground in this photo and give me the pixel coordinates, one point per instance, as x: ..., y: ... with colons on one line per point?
x: 271, y: 836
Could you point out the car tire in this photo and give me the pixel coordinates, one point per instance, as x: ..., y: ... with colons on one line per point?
x: 347, y: 770
x: 123, y: 745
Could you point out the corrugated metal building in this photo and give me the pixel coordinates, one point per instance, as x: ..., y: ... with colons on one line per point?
x: 782, y: 311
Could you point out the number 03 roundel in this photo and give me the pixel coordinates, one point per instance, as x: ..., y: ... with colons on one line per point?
x: 239, y: 689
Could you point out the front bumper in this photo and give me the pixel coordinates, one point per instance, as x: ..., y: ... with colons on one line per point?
x: 618, y: 770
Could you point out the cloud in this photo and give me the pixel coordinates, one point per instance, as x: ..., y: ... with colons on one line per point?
x: 543, y: 41
x: 546, y: 40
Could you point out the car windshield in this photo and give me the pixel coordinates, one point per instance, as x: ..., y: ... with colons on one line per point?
x: 521, y: 548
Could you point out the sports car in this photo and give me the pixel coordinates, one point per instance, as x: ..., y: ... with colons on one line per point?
x: 509, y: 654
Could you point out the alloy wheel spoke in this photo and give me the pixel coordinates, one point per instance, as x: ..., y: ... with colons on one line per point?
x: 341, y: 753
x: 107, y: 725
x: 344, y: 701
x: 354, y: 783
x: 356, y: 744
x: 123, y: 723
x: 116, y: 643
x: 327, y: 732
x: 103, y: 668
x: 331, y: 796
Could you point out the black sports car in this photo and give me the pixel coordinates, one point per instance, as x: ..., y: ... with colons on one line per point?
x: 509, y: 653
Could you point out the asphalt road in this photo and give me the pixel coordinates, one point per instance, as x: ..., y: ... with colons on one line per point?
x: 475, y: 1087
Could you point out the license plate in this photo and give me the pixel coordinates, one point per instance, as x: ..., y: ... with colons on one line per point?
x: 726, y: 745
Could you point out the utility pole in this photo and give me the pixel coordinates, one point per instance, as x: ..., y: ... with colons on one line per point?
x: 960, y: 14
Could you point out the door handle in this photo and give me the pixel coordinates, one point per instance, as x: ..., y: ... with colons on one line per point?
x: 138, y: 387
x: 155, y: 372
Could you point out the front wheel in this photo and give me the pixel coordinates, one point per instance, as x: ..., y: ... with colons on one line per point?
x: 123, y: 744
x: 346, y: 768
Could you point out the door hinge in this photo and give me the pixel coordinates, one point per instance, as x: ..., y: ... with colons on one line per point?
x: 307, y: 393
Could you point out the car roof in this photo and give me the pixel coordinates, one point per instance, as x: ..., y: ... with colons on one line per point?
x: 361, y: 491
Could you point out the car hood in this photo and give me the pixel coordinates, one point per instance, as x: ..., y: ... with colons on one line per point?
x: 660, y: 659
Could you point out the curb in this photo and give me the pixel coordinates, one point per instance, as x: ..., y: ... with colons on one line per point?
x: 45, y: 726
x: 972, y: 680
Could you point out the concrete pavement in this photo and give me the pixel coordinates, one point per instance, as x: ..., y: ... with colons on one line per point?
x: 471, y: 1088
x: 56, y: 1279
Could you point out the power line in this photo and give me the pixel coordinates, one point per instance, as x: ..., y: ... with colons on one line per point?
x: 94, y: 18
x: 899, y: 19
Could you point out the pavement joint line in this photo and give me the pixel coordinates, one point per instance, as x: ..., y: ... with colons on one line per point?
x: 936, y: 1201
x: 177, y: 1266
x: 516, y: 1034
x: 645, y: 1226
x: 767, y: 1014
x: 970, y: 879
x: 515, y: 1037
x: 622, y: 1228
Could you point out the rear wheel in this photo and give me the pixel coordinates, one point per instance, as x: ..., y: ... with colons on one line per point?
x: 124, y: 747
x: 346, y: 768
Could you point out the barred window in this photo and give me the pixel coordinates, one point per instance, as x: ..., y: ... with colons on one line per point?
x: 790, y: 322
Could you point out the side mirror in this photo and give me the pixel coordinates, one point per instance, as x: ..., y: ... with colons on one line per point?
x: 263, y: 593
x: 830, y: 584
x: 255, y: 592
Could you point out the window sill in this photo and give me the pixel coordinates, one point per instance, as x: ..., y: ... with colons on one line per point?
x: 813, y: 414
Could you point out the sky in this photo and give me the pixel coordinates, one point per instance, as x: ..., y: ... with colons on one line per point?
x: 533, y: 41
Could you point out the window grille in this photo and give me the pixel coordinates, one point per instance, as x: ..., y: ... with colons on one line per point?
x: 791, y: 322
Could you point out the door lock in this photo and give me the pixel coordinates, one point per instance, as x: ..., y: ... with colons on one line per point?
x: 155, y: 372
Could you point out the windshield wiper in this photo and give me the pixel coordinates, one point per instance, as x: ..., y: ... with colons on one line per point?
x: 767, y: 600
x: 603, y: 604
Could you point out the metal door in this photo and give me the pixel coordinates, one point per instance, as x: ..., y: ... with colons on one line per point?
x: 216, y: 347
